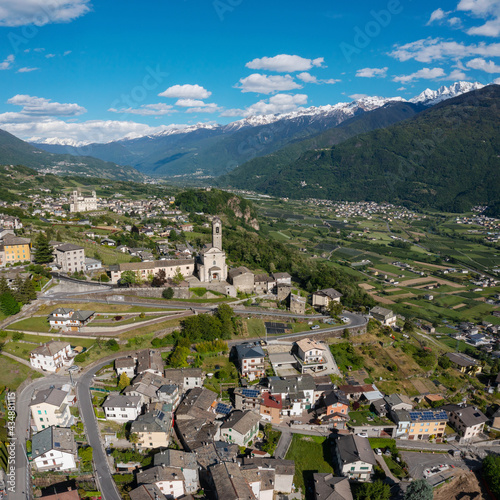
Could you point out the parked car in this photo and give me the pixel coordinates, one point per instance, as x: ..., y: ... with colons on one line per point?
x: 388, y: 452
x: 315, y: 327
x: 362, y: 434
x: 378, y: 451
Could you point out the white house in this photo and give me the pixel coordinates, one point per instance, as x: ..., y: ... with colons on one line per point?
x: 125, y: 365
x: 169, y: 480
x: 468, y: 421
x: 92, y: 264
x: 54, y: 448
x: 122, y: 408
x: 310, y: 351
x: 385, y: 316
x: 52, y: 356
x: 69, y: 319
x: 240, y: 428
x: 49, y: 408
x: 355, y: 457
x: 250, y: 360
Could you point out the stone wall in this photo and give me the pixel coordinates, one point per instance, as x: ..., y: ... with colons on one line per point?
x: 179, y: 292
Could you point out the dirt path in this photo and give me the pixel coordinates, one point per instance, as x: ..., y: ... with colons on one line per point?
x: 417, y: 281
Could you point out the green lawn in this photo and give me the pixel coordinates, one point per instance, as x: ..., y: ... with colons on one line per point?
x: 362, y: 418
x: 311, y: 454
x: 255, y: 327
x: 33, y: 324
x: 14, y: 373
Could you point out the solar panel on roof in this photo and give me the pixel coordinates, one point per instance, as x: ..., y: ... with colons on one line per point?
x: 57, y: 444
x: 250, y: 393
x: 223, y: 409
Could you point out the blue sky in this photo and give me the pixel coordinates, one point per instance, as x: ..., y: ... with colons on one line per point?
x: 98, y: 70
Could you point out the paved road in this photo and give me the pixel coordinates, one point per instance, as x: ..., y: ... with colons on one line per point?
x: 390, y: 477
x: 22, y: 488
x: 101, y: 465
x: 283, y: 444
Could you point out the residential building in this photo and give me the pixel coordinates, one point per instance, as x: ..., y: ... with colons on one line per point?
x: 420, y: 424
x: 229, y: 482
x: 70, y: 494
x: 464, y: 363
x: 284, y: 471
x: 146, y: 492
x: 170, y: 394
x: 355, y: 457
x: 185, y: 378
x: 69, y: 319
x: 468, y: 421
x: 122, y: 409
x: 242, y: 279
x: 169, y: 480
x: 240, y: 428
x: 184, y: 461
x: 49, y: 408
x: 271, y: 407
x: 52, y: 356
x: 368, y: 392
x: 250, y: 360
x: 333, y: 407
x: 70, y: 257
x: 322, y: 298
x: 247, y: 398
x: 385, y: 316
x: 150, y: 361
x: 296, y: 391
x: 92, y: 264
x: 125, y: 365
x: 329, y: 487
x: 153, y: 428
x: 282, y: 279
x: 310, y: 351
x: 55, y: 449
x: 15, y: 249
x: 146, y: 385
x: 143, y: 270
x: 197, y: 403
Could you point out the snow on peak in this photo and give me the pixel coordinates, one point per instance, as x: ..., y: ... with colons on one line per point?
x: 429, y: 96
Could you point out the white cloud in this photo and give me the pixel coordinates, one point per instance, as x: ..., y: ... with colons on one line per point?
x: 284, y: 63
x: 39, y: 106
x: 358, y: 96
x: 497, y: 81
x: 50, y: 56
x: 424, y: 73
x: 189, y: 103
x: 308, y: 78
x: 210, y: 107
x: 435, y: 49
x: 455, y: 22
x: 41, y: 12
x: 401, y: 88
x: 485, y: 9
x: 159, y: 109
x: 39, y: 49
x: 27, y: 70
x: 67, y: 53
x: 279, y: 103
x: 263, y: 84
x: 437, y: 15
x: 487, y: 66
x: 457, y: 74
x: 186, y: 92
x: 372, y: 72
x: 7, y: 63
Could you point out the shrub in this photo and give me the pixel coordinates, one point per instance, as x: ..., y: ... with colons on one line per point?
x: 168, y: 293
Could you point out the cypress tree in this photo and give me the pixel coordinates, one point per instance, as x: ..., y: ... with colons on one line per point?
x: 43, y: 252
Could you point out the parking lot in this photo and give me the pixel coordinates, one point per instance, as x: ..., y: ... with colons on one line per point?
x: 419, y: 462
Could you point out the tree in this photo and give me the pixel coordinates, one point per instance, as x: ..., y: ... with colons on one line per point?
x: 113, y: 345
x: 178, y: 277
x: 128, y: 278
x: 409, y: 327
x: 168, y: 293
x: 491, y: 473
x: 444, y: 362
x: 159, y: 279
x: 419, y: 490
x: 8, y: 304
x: 4, y: 286
x: 124, y: 381
x: 377, y: 490
x: 346, y: 334
x: 225, y: 315
x: 334, y: 309
x: 44, y: 251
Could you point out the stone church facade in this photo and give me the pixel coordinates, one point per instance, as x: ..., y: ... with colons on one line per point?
x: 211, y: 263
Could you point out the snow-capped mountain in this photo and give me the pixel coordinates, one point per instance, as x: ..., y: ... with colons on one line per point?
x: 210, y: 149
x: 430, y: 97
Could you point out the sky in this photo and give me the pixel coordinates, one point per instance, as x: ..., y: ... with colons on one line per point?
x: 86, y: 71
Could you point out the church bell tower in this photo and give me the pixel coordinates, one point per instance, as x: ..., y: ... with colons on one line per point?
x: 217, y: 233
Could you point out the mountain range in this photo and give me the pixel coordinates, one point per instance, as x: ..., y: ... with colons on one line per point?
x: 14, y: 151
x: 446, y: 157
x: 210, y: 150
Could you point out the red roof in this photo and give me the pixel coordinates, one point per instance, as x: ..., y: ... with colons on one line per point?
x: 272, y: 401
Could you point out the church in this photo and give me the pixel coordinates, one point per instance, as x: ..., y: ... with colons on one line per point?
x: 211, y: 264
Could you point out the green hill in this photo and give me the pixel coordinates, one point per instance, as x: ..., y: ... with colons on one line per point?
x: 14, y: 151
x: 446, y: 157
